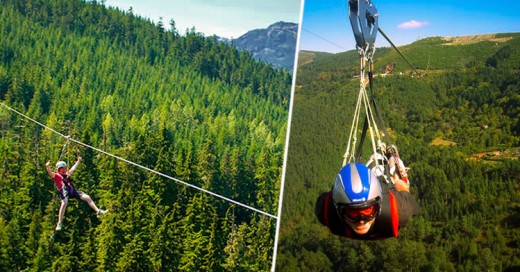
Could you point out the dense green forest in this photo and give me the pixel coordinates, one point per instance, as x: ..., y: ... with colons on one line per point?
x: 181, y: 104
x: 457, y: 126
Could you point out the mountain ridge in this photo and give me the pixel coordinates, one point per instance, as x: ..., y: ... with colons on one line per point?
x: 275, y: 44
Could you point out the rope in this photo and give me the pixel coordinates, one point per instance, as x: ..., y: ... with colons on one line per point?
x: 378, y: 115
x: 140, y: 166
x: 353, y: 135
x: 370, y: 122
x: 372, y: 126
x: 64, y: 148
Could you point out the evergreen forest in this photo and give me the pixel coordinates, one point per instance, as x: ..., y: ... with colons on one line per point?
x: 182, y: 104
x: 457, y: 126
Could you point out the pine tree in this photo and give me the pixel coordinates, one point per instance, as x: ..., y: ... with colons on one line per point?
x: 198, y: 227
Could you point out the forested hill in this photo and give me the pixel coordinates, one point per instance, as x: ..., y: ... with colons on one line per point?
x: 434, y: 54
x: 184, y: 105
x: 457, y: 126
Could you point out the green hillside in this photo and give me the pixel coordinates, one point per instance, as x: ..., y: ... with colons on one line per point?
x: 183, y: 105
x: 457, y: 126
x: 434, y: 54
x: 305, y: 57
x: 437, y: 53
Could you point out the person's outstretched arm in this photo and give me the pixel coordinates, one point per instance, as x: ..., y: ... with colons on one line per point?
x: 49, y: 171
x: 73, y: 168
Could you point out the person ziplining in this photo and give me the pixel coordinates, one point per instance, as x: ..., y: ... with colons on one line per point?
x: 62, y: 179
x: 372, y: 200
x: 61, y: 169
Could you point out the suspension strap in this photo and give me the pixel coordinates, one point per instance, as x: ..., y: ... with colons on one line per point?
x: 371, y: 125
x: 387, y: 137
x: 64, y: 148
x: 359, y: 152
x: 364, y: 21
x: 378, y: 114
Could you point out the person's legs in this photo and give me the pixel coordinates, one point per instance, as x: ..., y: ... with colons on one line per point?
x: 61, y: 213
x: 90, y: 202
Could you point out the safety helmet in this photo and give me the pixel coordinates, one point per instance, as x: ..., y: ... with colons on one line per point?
x: 356, y: 193
x: 61, y: 164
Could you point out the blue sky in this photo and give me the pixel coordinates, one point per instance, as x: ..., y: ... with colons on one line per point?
x: 225, y: 18
x: 326, y: 27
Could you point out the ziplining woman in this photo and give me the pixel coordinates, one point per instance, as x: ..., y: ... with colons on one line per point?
x: 66, y: 189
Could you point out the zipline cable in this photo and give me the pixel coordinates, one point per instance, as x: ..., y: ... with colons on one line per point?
x: 380, y: 31
x: 329, y: 41
x: 140, y: 166
x: 395, y: 47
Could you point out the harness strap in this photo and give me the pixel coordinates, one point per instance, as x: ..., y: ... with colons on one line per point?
x: 64, y: 148
x: 370, y: 121
x: 374, y: 104
x: 359, y: 152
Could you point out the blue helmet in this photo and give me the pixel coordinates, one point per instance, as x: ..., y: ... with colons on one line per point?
x: 356, y: 188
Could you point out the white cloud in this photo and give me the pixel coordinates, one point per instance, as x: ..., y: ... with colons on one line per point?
x: 412, y: 24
